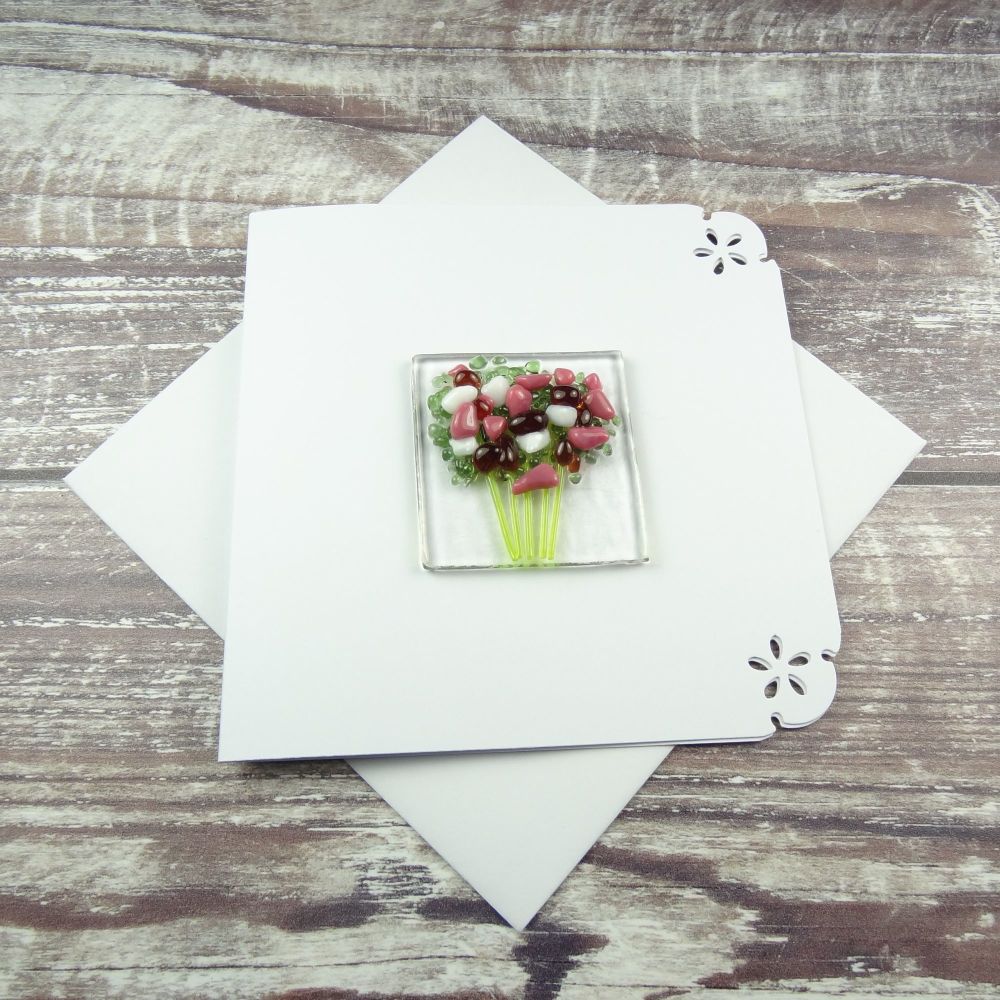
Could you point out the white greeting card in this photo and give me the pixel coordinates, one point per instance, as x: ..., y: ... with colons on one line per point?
x: 513, y: 824
x: 338, y: 643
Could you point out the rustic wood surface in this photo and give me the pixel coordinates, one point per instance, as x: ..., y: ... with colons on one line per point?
x: 859, y: 857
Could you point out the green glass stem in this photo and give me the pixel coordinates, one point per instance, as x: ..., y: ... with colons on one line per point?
x: 515, y: 520
x: 523, y: 541
x: 502, y: 518
x: 543, y: 527
x: 529, y: 526
x: 556, y: 508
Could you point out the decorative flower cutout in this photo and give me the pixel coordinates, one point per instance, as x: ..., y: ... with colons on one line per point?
x: 789, y: 673
x: 721, y: 254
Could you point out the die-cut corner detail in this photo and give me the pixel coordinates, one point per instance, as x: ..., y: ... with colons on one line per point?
x: 722, y: 250
x: 728, y: 242
x: 797, y: 688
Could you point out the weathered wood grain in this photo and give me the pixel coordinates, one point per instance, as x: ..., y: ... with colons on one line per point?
x: 537, y: 25
x: 861, y: 853
x: 895, y: 113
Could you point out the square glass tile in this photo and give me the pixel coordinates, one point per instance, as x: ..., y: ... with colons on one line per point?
x: 471, y: 511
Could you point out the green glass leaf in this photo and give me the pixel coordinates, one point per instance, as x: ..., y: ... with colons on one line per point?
x: 478, y: 362
x: 434, y: 401
x: 447, y: 454
x: 580, y: 377
x: 499, y: 360
x: 606, y: 449
x: 440, y: 380
x: 575, y: 477
x: 534, y: 367
x: 616, y: 420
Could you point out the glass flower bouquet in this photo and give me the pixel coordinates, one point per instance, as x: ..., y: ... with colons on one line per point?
x: 524, y: 432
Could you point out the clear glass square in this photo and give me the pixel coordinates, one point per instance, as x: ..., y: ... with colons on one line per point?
x: 470, y: 519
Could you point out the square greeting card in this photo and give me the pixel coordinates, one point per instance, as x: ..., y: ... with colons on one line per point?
x: 340, y: 642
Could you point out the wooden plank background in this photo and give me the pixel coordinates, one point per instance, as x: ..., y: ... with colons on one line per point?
x: 857, y: 858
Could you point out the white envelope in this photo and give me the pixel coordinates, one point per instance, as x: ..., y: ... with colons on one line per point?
x: 512, y: 824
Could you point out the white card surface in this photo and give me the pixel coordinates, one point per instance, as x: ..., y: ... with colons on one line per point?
x: 512, y: 824
x: 339, y: 644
